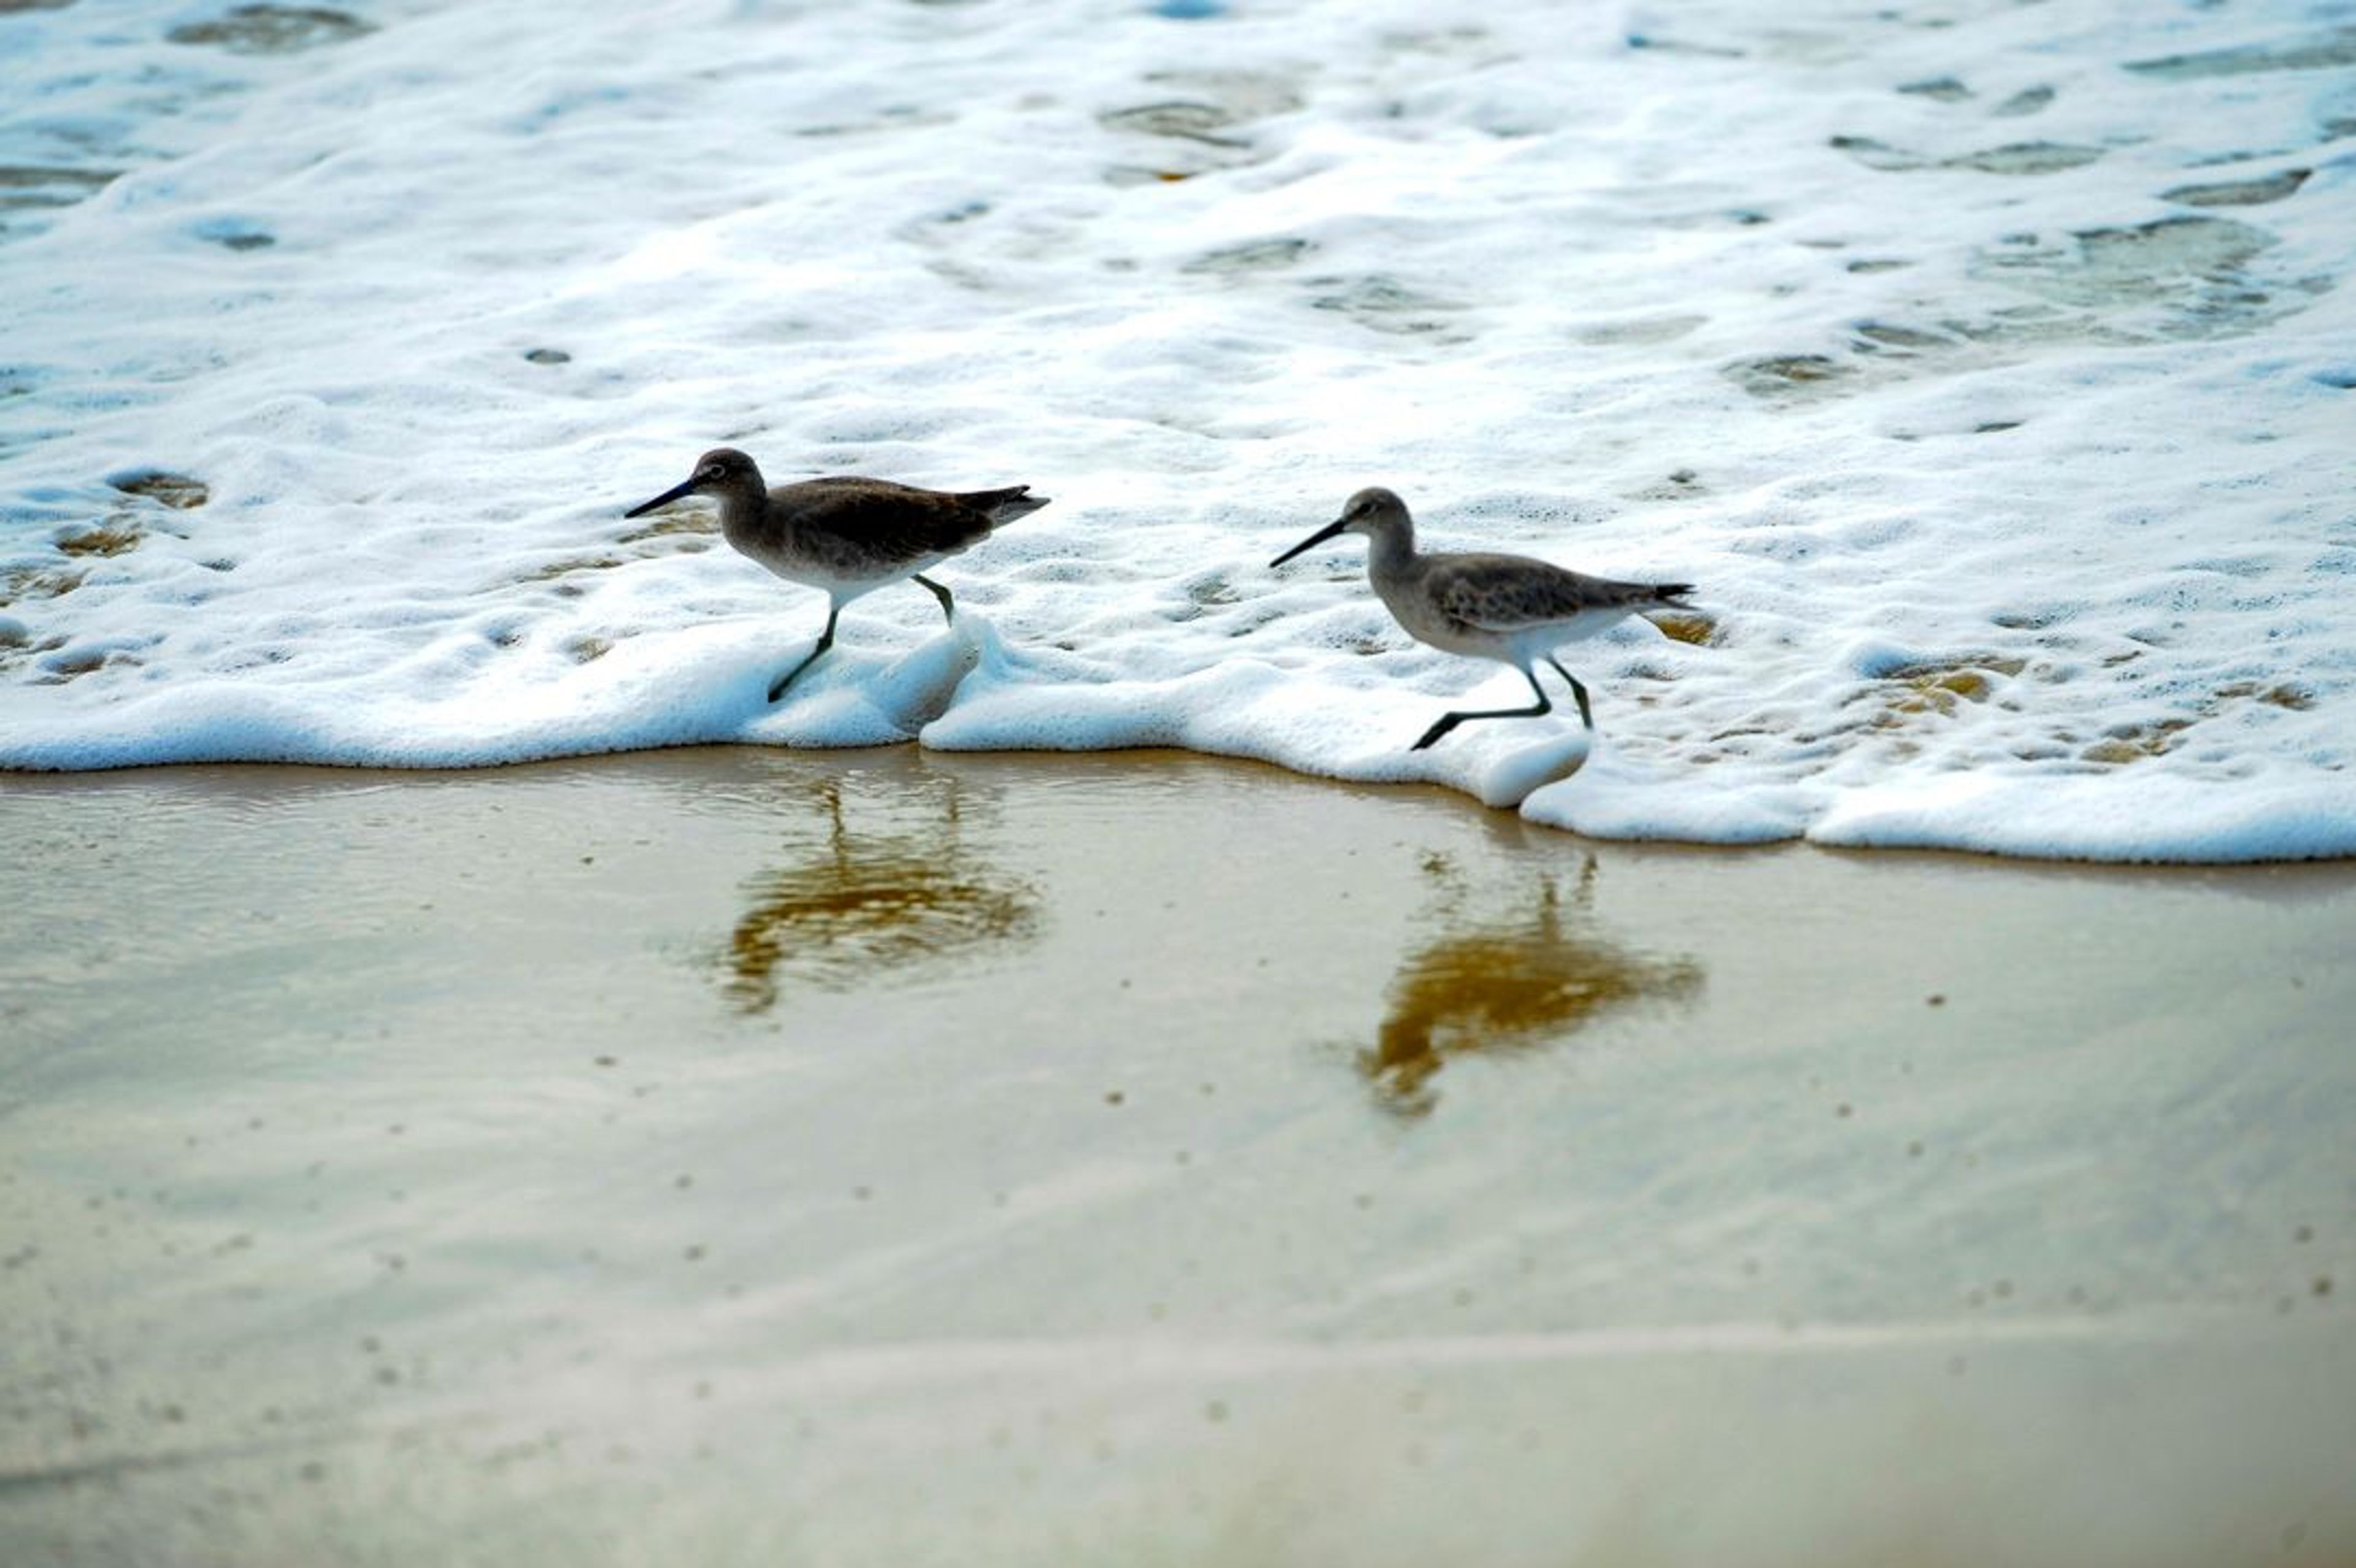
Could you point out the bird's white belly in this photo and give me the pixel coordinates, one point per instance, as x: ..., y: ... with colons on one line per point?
x: 1518, y: 645
x: 845, y: 579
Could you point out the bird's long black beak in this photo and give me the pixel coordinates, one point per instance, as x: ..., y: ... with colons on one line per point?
x: 1319, y: 537
x: 665, y: 500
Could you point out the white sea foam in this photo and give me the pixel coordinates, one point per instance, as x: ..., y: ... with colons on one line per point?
x: 1989, y: 367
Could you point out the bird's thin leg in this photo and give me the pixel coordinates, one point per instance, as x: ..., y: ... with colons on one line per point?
x: 1585, y: 718
x: 1449, y: 720
x: 949, y: 607
x: 825, y: 641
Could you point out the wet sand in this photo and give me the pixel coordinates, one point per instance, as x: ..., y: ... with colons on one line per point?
x: 751, y: 1157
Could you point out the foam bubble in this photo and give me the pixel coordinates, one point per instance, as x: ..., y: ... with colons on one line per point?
x: 1982, y: 377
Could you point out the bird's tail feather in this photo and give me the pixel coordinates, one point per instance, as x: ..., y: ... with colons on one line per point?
x: 1004, y: 506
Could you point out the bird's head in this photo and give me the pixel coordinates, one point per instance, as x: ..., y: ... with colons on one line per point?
x: 1371, y: 511
x: 717, y: 472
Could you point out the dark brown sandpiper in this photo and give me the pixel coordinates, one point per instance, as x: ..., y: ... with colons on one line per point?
x: 1510, y: 608
x: 845, y: 535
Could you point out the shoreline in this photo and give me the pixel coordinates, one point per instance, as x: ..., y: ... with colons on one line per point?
x: 1502, y: 784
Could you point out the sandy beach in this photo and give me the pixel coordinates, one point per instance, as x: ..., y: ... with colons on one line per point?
x: 1144, y: 1111
x: 737, y: 1156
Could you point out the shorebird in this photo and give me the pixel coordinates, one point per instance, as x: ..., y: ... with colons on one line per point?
x: 1509, y: 608
x: 845, y: 535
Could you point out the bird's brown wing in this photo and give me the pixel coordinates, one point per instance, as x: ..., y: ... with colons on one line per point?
x: 1508, y: 592
x: 899, y: 521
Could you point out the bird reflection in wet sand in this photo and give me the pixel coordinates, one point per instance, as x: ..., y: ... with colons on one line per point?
x: 1508, y: 984
x: 872, y: 904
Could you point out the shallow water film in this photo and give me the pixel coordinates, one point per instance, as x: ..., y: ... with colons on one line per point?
x: 741, y: 1156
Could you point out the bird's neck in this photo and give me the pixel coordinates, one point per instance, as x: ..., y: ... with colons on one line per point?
x: 1389, y: 550
x: 744, y: 509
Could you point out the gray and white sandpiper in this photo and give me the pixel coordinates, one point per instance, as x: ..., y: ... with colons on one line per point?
x: 1510, y: 608
x: 845, y: 535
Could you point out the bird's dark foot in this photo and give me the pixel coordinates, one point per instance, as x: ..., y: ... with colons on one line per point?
x: 949, y: 605
x: 1432, y: 735
x: 1578, y: 690
x: 825, y: 641
x: 778, y: 686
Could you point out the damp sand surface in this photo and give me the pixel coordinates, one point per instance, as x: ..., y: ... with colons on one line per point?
x: 732, y: 1156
